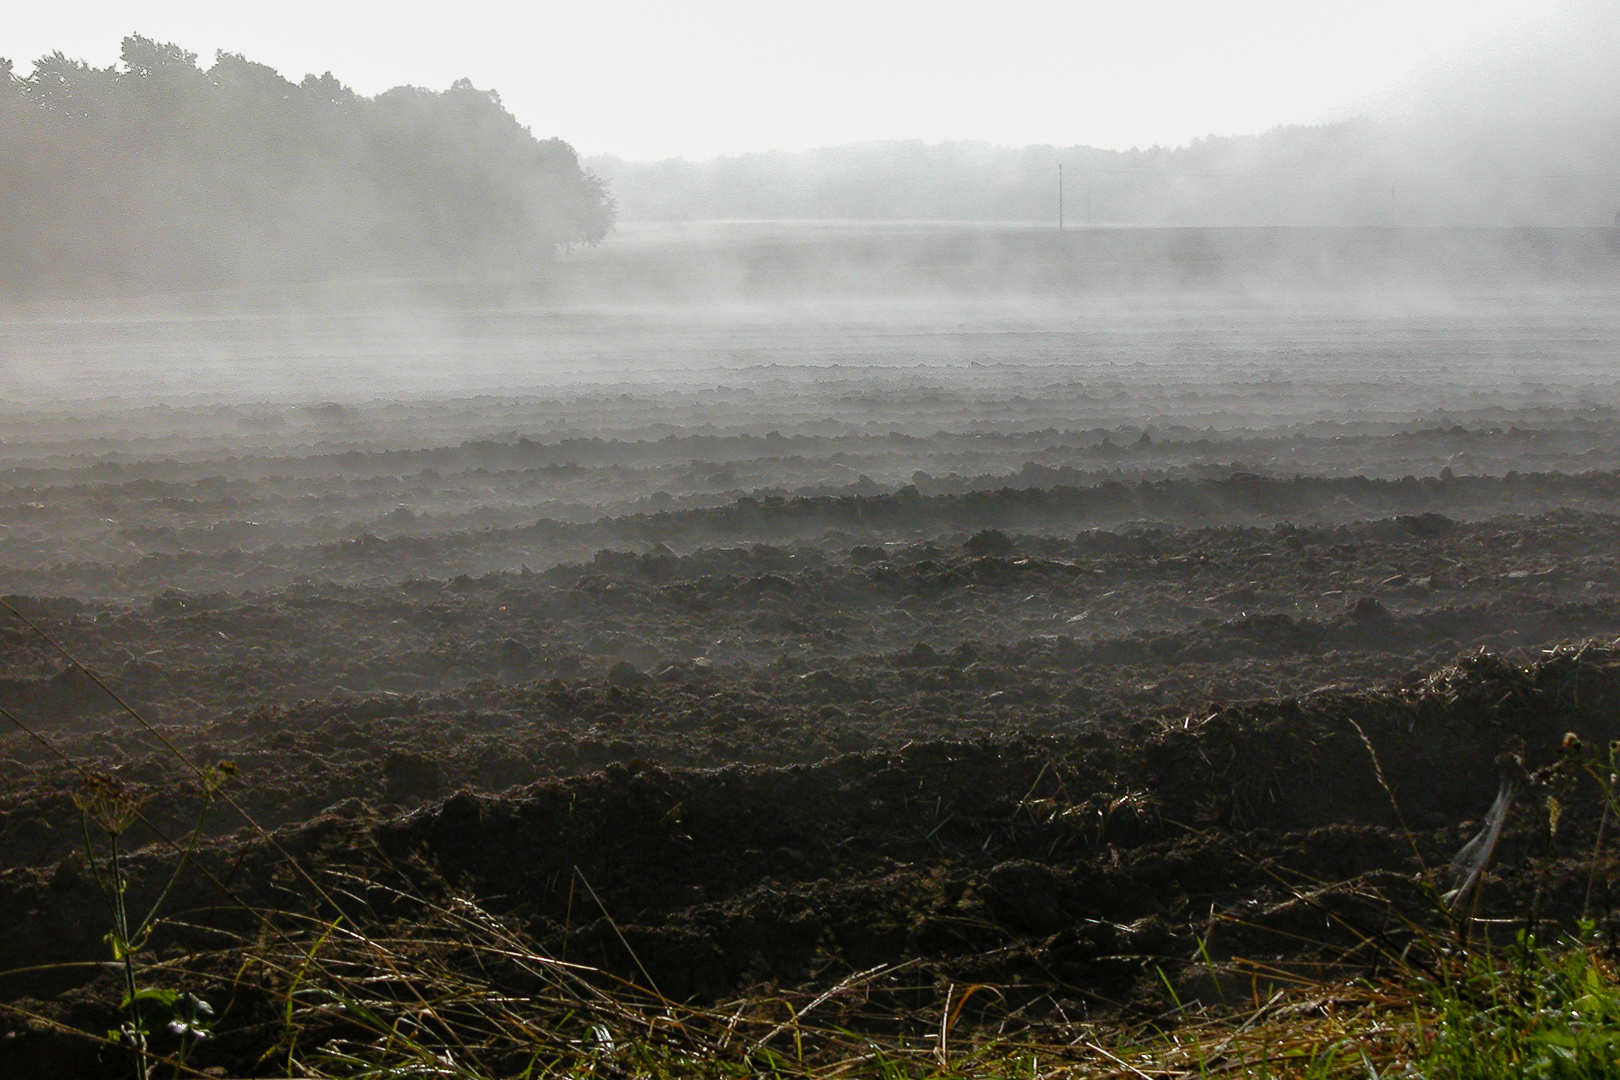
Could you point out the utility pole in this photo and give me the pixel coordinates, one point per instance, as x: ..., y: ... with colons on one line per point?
x: 1060, y: 196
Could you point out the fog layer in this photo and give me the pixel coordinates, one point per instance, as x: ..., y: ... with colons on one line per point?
x: 1351, y: 173
x: 1527, y: 133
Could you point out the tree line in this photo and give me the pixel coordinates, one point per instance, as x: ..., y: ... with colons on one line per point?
x: 159, y: 173
x: 1565, y: 171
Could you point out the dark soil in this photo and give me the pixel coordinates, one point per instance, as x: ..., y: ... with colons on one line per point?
x: 1059, y: 732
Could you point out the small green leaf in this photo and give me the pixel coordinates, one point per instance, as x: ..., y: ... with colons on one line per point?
x: 150, y: 995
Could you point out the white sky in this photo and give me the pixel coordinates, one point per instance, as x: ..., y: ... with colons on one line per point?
x: 651, y: 78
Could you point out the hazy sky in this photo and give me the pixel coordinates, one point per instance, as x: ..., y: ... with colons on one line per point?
x: 649, y: 78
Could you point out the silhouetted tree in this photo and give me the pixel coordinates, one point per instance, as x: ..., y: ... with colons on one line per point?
x: 157, y: 172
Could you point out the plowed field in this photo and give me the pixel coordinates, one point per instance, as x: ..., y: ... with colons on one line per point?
x: 1070, y: 679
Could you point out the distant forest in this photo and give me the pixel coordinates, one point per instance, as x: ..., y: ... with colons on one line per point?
x: 1352, y: 173
x: 157, y: 173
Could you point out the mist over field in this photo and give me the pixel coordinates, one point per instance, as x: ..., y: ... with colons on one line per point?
x: 1500, y: 169
x: 857, y: 583
x: 1518, y: 135
x: 1521, y: 133
x: 222, y: 234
